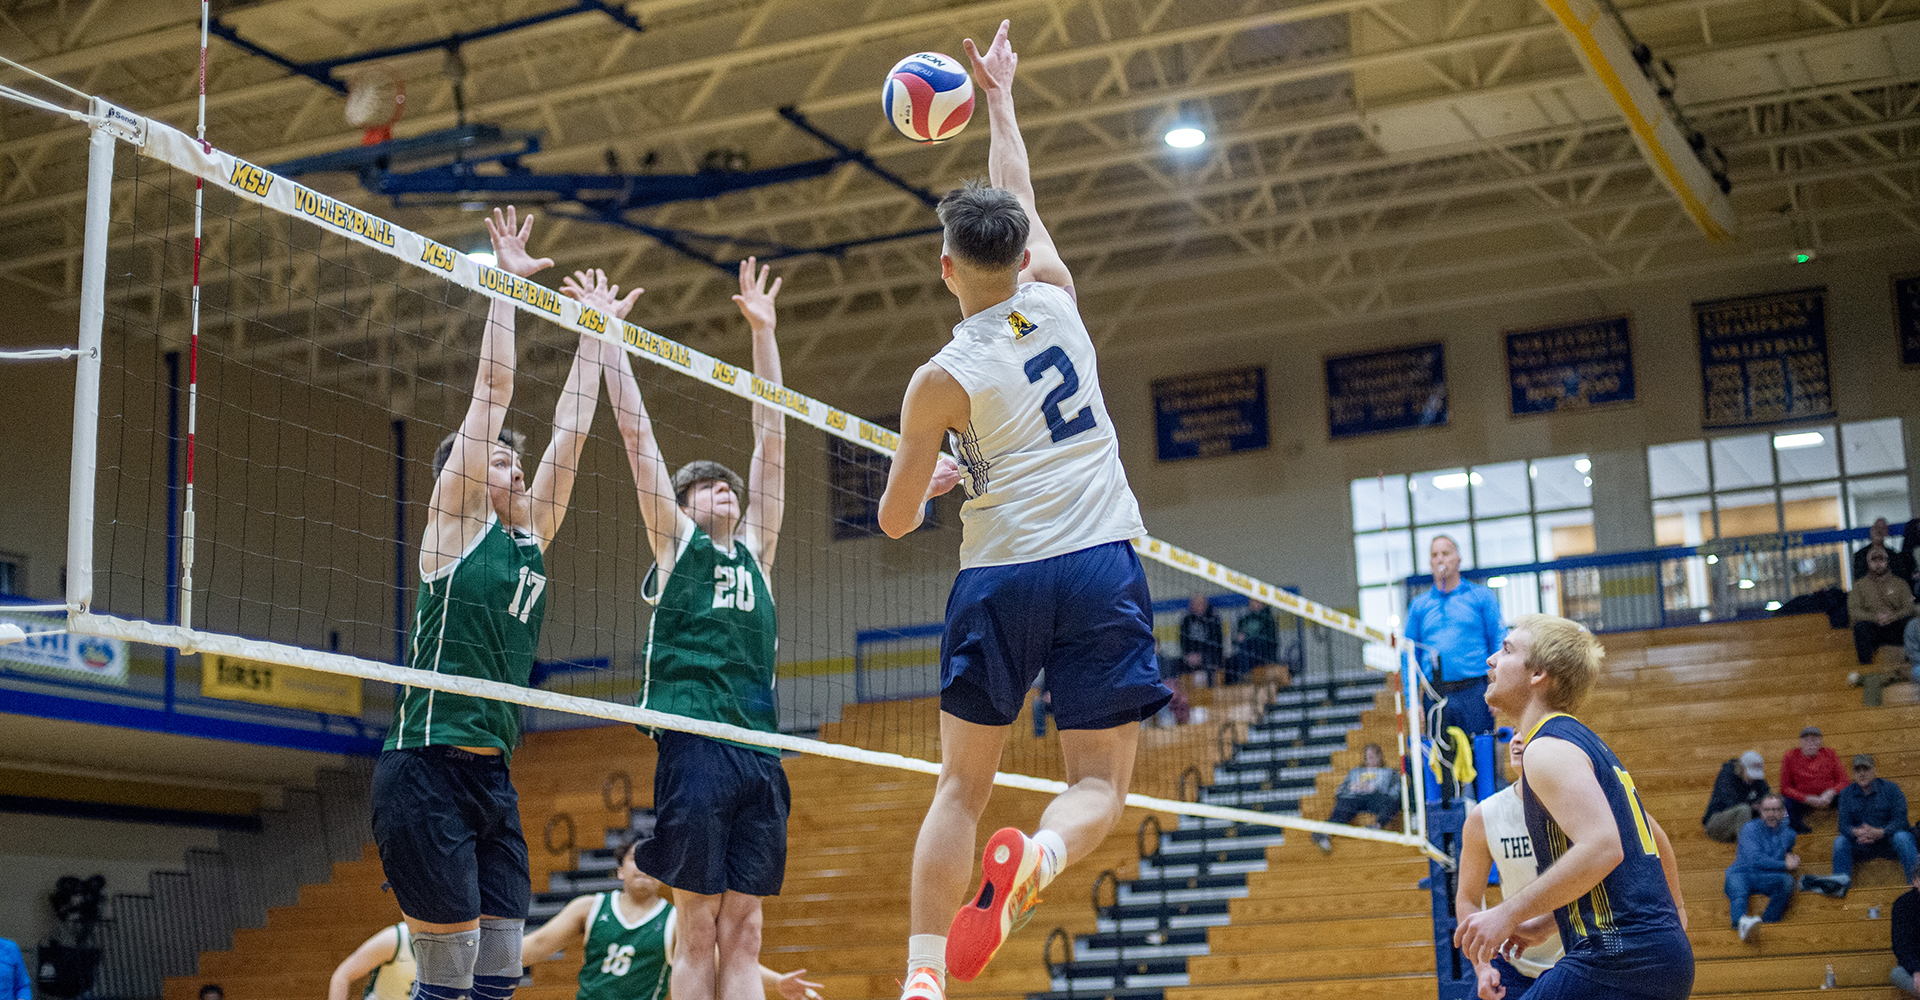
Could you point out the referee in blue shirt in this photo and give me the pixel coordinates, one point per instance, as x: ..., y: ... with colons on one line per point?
x: 15, y: 982
x: 1461, y: 620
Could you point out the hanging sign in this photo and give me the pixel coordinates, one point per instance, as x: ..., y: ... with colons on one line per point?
x: 1570, y: 366
x: 1217, y: 413
x: 1387, y: 390
x: 1763, y: 359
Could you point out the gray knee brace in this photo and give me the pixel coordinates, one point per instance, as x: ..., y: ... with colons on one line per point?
x: 447, y: 959
x: 499, y: 953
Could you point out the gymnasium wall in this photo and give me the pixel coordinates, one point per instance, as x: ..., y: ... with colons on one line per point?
x: 35, y: 851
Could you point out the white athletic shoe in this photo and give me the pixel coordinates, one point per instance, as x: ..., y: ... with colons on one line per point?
x: 924, y: 984
x: 1747, y: 924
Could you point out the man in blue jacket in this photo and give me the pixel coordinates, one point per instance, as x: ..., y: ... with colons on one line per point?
x: 1764, y: 865
x: 1461, y: 620
x: 1873, y: 824
x: 13, y: 972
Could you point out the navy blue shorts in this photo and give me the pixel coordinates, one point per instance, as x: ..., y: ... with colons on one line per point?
x: 1515, y: 982
x: 1085, y: 616
x: 1662, y: 969
x: 721, y: 818
x: 447, y: 823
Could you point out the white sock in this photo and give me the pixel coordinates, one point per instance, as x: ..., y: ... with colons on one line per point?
x: 1053, y: 855
x: 928, y: 951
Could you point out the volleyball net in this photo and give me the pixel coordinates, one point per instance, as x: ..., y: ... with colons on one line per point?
x: 259, y: 395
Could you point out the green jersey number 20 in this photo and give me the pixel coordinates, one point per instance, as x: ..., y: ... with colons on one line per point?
x: 732, y: 588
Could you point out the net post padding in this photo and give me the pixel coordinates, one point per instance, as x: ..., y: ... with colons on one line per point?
x: 179, y: 637
x: 86, y: 384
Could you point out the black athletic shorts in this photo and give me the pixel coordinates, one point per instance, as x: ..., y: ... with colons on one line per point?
x: 721, y: 818
x: 447, y: 823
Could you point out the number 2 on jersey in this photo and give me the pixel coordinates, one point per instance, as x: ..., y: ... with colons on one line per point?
x: 1639, y: 814
x: 1057, y: 423
x: 524, y: 595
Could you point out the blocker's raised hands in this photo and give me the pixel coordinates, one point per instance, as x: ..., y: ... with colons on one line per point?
x: 994, y: 71
x: 590, y: 288
x: 509, y: 234
x: 756, y: 298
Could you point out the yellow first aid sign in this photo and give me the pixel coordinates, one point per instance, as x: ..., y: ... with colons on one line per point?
x: 235, y: 679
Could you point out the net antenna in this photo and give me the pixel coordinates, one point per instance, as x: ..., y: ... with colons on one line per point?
x: 376, y: 98
x: 360, y: 246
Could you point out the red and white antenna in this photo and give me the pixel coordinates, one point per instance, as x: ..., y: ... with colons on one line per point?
x: 193, y: 347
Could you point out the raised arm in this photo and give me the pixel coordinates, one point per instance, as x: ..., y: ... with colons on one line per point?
x: 569, y: 926
x: 1670, y: 867
x: 934, y: 402
x: 651, y: 480
x: 459, y: 505
x: 1007, y: 165
x: 375, y: 952
x: 573, y: 416
x: 767, y: 477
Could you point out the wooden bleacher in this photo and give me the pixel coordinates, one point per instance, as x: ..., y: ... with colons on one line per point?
x: 1674, y: 703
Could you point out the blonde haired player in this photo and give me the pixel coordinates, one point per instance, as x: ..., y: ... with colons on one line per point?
x: 1606, y: 871
x: 1047, y: 577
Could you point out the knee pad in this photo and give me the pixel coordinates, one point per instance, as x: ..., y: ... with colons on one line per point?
x: 499, y: 950
x: 446, y: 959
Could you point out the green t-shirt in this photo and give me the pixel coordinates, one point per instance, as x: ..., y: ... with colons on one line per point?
x: 625, y: 961
x: 711, y: 645
x: 479, y: 617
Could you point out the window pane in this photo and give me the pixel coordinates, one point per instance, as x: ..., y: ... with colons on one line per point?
x: 1685, y: 521
x: 1506, y: 541
x: 1742, y: 461
x: 1810, y: 506
x: 1881, y: 496
x: 1519, y: 594
x: 1380, y: 502
x: 1381, y: 606
x: 1383, y: 557
x: 1873, y: 446
x: 1567, y: 533
x: 1462, y: 537
x: 1440, y: 496
x: 1499, y: 489
x: 1807, y: 454
x: 1566, y: 481
x: 1677, y: 469
x: 1750, y: 513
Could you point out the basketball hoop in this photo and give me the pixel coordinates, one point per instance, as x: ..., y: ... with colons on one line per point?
x: 375, y: 98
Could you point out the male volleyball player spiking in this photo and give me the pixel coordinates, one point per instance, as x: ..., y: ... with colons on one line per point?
x: 722, y: 840
x: 1607, y: 871
x: 445, y: 814
x: 1047, y: 577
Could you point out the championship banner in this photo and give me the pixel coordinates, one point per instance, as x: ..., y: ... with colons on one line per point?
x: 1906, y: 317
x: 1763, y: 359
x: 233, y: 679
x: 1387, y: 390
x: 103, y: 661
x: 1217, y: 413
x: 1571, y: 366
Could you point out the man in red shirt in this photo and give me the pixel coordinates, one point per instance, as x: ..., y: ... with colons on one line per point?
x: 1810, y: 779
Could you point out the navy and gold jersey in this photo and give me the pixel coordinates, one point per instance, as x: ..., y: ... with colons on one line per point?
x: 1628, y: 922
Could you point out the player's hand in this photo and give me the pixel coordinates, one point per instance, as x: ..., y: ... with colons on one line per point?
x: 509, y: 234
x: 590, y: 288
x: 946, y: 475
x: 1482, y: 935
x: 756, y: 299
x: 1490, y: 986
x: 1792, y: 861
x: 1528, y: 934
x: 994, y: 71
x: 793, y: 987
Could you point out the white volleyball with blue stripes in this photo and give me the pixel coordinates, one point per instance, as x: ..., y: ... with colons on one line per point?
x: 928, y: 97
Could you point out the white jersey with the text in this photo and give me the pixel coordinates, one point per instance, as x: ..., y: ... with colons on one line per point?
x: 1042, y: 465
x: 1505, y: 818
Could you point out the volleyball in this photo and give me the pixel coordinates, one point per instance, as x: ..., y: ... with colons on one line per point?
x: 928, y: 97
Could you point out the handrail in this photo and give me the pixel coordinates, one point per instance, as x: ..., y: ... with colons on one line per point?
x: 1717, y: 547
x: 1198, y: 782
x: 626, y: 786
x: 1046, y: 952
x: 1102, y: 879
x: 568, y: 848
x: 1139, y: 837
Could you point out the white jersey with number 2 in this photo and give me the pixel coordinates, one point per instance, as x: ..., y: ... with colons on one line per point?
x: 1042, y: 465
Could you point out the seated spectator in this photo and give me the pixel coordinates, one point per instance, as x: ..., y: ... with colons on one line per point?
x: 1202, y: 640
x: 1764, y: 864
x: 1373, y: 788
x: 1810, y: 778
x: 1873, y: 824
x: 1908, y: 558
x: 1906, y: 930
x: 1881, y: 606
x: 1876, y: 536
x: 1737, y: 791
x: 1256, y: 642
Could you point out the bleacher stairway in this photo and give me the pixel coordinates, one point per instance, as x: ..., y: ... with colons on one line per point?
x: 1353, y: 924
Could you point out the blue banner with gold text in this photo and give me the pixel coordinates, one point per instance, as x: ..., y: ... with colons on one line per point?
x: 1571, y: 365
x: 1763, y: 359
x: 1387, y: 390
